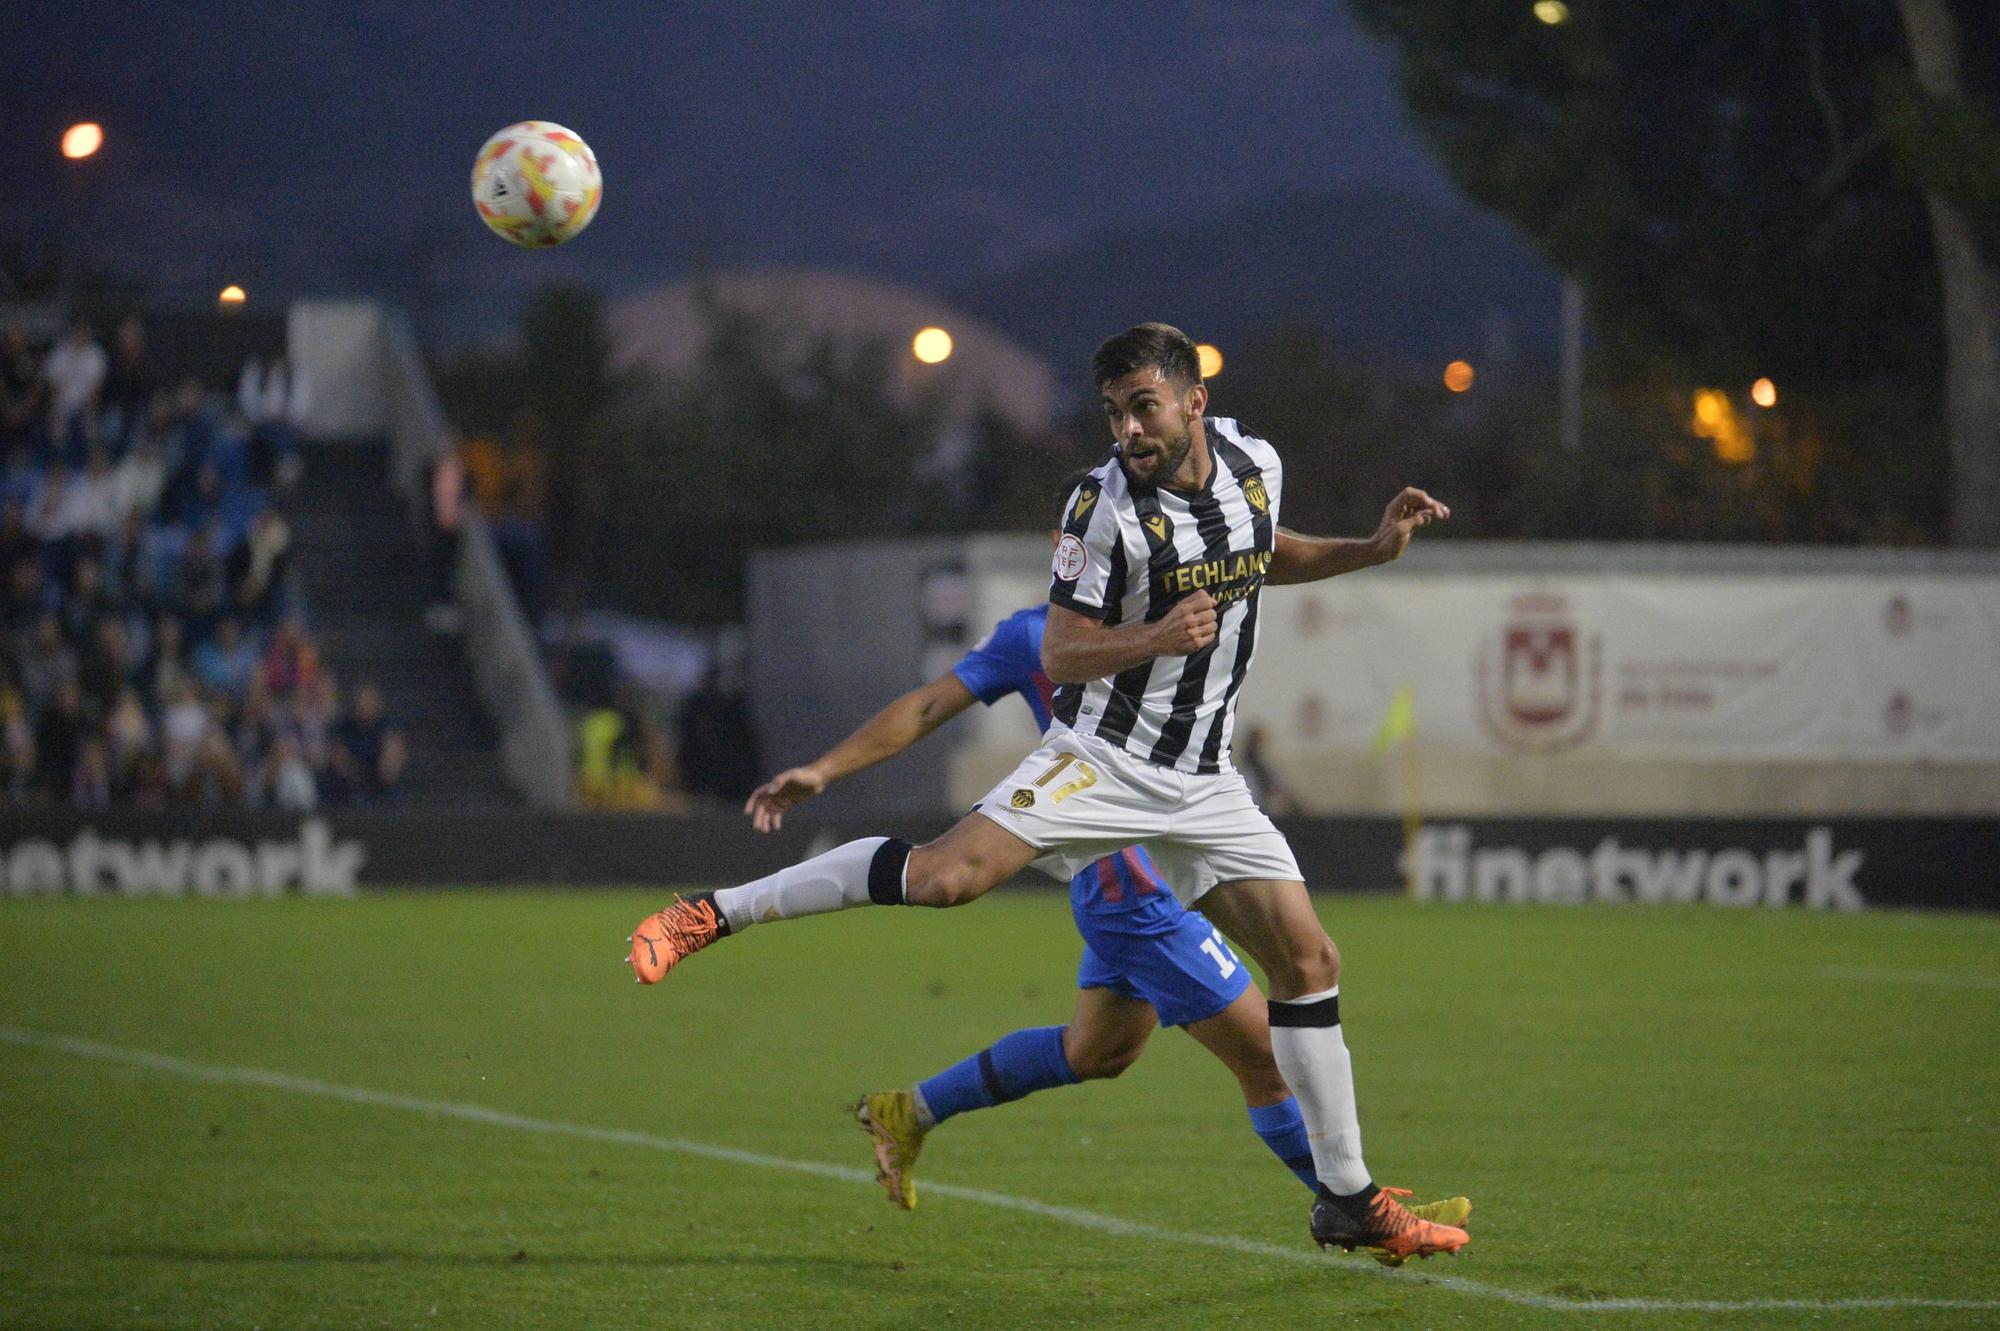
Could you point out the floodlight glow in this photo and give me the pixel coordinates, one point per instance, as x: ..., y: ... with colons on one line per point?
x: 81, y: 140
x: 931, y: 346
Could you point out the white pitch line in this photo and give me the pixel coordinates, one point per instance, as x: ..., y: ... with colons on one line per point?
x: 218, y: 1074
x: 1953, y: 979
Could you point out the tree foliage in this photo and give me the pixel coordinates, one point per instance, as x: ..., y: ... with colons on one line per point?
x: 1738, y: 187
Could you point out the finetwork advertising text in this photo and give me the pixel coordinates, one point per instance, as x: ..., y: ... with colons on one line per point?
x: 92, y: 864
x: 1449, y: 867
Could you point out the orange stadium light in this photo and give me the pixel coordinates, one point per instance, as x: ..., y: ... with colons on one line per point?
x: 1458, y: 376
x: 1764, y: 393
x: 932, y: 346
x: 1210, y: 358
x: 232, y: 295
x: 81, y: 140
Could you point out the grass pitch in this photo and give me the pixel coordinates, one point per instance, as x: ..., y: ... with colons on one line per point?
x: 1699, y: 1109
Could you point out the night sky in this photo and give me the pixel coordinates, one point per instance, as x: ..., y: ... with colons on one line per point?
x: 327, y: 147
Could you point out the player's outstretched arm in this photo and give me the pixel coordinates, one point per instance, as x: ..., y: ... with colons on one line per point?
x: 1299, y: 558
x: 886, y: 734
x: 1077, y: 649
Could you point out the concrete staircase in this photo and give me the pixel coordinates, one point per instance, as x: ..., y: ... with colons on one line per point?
x: 366, y: 574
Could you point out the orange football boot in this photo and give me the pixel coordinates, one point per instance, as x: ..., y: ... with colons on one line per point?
x: 664, y: 938
x: 1387, y: 1226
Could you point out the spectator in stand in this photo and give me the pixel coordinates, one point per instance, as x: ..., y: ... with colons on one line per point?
x: 86, y: 602
x: 201, y: 588
x: 274, y: 399
x: 187, y: 436
x: 258, y: 565
x: 20, y: 476
x: 23, y: 396
x: 90, y: 787
x: 129, y: 731
x: 290, y: 784
x: 129, y: 384
x: 227, y: 661
x: 52, y: 518
x: 95, y: 500
x: 218, y: 777
x: 166, y: 667
x: 17, y: 745
x: 183, y: 733
x: 291, y: 662
x: 75, y: 373
x: 27, y: 600
x: 44, y: 663
x: 125, y: 566
x: 60, y: 729
x: 106, y: 669
x: 369, y: 753
x: 16, y: 541
x: 140, y: 478
x: 314, y: 712
x: 257, y: 729
x: 626, y: 762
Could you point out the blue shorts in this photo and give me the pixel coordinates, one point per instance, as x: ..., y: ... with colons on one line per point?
x: 1159, y: 952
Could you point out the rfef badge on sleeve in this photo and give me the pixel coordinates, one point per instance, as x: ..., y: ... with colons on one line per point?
x: 1071, y: 559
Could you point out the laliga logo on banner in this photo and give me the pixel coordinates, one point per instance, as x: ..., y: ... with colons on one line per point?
x: 1540, y: 685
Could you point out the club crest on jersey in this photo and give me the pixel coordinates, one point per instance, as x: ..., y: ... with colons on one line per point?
x: 1253, y: 490
x: 1023, y: 799
x: 1084, y: 499
x: 1157, y: 524
x: 1071, y: 559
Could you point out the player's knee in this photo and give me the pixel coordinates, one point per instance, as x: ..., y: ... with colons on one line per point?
x: 1098, y: 1063
x: 1310, y: 965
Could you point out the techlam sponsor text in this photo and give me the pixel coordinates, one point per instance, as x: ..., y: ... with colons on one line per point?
x: 1444, y: 864
x: 90, y: 864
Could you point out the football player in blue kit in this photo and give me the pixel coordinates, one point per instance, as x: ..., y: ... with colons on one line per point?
x: 1147, y: 960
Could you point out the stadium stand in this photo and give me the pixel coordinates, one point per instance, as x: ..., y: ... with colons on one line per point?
x: 175, y: 633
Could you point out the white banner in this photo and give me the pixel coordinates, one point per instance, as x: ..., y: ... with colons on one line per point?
x: 1624, y: 666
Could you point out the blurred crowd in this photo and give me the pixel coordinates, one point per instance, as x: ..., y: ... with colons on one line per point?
x: 154, y: 647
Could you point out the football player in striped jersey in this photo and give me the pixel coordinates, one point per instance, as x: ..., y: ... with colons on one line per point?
x: 1151, y: 625
x: 1147, y: 960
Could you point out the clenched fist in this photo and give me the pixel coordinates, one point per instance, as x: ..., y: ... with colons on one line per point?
x: 1188, y: 627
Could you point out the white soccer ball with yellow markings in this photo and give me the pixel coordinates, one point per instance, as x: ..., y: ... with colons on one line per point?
x: 536, y: 184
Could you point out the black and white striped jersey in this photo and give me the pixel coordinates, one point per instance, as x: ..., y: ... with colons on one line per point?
x: 1129, y: 553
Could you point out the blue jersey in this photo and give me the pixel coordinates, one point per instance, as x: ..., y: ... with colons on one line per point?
x: 1009, y: 660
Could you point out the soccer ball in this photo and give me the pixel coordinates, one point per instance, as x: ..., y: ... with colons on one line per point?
x: 536, y: 184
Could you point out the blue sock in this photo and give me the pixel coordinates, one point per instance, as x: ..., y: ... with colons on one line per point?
x: 1283, y: 1129
x: 1017, y: 1064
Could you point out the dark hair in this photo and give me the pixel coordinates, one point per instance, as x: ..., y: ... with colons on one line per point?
x: 1161, y: 346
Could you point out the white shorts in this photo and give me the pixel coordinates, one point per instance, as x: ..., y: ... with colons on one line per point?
x: 1077, y: 799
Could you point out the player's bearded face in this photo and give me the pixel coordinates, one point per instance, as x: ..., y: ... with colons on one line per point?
x: 1151, y: 424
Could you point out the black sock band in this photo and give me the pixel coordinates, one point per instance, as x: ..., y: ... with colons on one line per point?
x: 721, y: 920
x: 885, y: 872
x: 1354, y: 1203
x: 1326, y: 1012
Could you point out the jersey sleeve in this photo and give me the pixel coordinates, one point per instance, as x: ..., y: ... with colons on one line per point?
x: 994, y: 668
x: 1085, y: 552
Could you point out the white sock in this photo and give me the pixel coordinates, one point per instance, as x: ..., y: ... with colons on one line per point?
x: 1315, y: 1064
x: 829, y: 882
